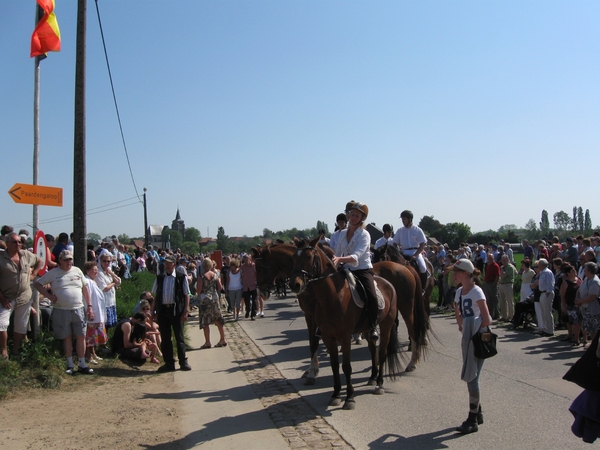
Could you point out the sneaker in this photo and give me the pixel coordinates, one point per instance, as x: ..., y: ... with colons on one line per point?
x: 98, y: 358
x: 92, y: 361
x: 262, y: 314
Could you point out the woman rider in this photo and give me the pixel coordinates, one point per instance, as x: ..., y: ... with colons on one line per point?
x: 352, y: 249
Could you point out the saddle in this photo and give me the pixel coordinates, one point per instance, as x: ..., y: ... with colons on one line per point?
x: 358, y: 295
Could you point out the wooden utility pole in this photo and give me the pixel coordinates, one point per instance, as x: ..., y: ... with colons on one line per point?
x: 146, y: 240
x: 79, y: 173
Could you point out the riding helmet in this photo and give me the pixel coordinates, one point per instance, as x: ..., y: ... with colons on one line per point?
x: 349, y: 205
x: 342, y: 217
x: 387, y: 227
x: 362, y: 208
x: 408, y: 214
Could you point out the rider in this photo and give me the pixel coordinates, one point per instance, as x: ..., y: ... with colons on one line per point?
x: 386, y: 238
x: 411, y: 239
x: 352, y: 249
x: 341, y: 221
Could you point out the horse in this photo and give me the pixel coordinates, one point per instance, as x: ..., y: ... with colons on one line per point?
x: 390, y: 253
x: 406, y: 282
x: 327, y: 300
x: 274, y: 262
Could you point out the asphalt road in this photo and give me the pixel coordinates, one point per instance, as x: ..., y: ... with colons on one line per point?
x: 525, y: 401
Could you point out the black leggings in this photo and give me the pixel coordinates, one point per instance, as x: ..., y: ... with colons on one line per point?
x: 365, y: 276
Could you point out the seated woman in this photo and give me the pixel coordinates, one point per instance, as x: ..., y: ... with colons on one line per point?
x: 152, y: 331
x: 129, y: 338
x: 209, y: 285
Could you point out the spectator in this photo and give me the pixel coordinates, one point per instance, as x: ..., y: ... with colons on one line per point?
x: 152, y: 331
x: 61, y: 244
x: 146, y: 295
x: 69, y: 313
x: 587, y: 300
x: 129, y: 338
x: 209, y: 287
x: 233, y: 286
x: 108, y: 281
x: 249, y: 286
x: 171, y: 305
x: 341, y: 222
x: 570, y: 254
x: 527, y: 250
x: 17, y: 267
x: 490, y: 285
x: 568, y: 293
x: 527, y: 274
x: 505, y: 289
x: 546, y: 287
x: 509, y: 252
x: 96, y: 331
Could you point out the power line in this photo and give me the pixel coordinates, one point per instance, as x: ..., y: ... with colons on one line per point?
x: 115, y: 101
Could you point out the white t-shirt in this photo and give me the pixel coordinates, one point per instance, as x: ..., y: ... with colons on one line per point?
x: 235, y: 281
x: 467, y: 304
x: 382, y: 241
x: 67, y: 286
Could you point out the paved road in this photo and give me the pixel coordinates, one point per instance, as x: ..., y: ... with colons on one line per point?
x: 525, y: 400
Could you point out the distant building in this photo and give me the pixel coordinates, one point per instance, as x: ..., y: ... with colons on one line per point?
x: 178, y: 224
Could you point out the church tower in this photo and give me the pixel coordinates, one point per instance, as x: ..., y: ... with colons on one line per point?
x: 178, y: 224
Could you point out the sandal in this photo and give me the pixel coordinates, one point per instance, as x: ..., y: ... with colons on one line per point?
x: 205, y: 346
x: 86, y: 370
x: 221, y: 344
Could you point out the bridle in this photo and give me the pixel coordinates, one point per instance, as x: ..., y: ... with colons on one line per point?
x: 315, y: 270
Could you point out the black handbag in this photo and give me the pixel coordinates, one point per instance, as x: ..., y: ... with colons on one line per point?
x: 484, y: 344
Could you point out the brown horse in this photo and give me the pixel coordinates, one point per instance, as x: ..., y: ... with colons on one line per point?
x: 409, y: 294
x: 390, y: 253
x: 276, y: 262
x: 328, y: 301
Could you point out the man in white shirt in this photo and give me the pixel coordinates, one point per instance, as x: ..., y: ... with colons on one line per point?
x: 546, y: 287
x: 412, y: 241
x: 386, y: 238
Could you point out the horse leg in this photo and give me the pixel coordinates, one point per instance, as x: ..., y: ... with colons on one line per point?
x: 335, y: 368
x: 384, y: 339
x: 374, y: 364
x: 349, y: 403
x: 414, y: 359
x: 310, y: 375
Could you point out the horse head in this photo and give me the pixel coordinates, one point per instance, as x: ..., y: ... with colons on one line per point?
x: 388, y: 253
x: 310, y: 262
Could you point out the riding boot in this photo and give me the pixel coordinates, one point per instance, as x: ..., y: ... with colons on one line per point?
x: 423, y: 277
x: 374, y: 328
x: 479, y: 416
x: 469, y: 425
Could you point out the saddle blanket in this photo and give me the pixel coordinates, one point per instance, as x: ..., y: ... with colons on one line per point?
x: 356, y: 295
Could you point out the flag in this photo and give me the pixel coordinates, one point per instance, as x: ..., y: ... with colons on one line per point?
x: 46, y: 36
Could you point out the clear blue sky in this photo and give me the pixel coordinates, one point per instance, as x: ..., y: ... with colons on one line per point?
x: 273, y: 114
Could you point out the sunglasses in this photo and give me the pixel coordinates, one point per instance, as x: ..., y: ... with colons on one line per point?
x: 15, y: 242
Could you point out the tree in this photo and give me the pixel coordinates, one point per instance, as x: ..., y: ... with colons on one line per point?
x: 322, y: 226
x: 587, y: 222
x: 93, y: 238
x: 531, y: 230
x: 223, y: 242
x: 562, y: 221
x: 455, y: 233
x: 192, y: 235
x: 574, y: 219
x: 431, y: 226
x: 173, y: 237
x: 123, y: 238
x: 190, y: 248
x: 580, y: 219
x: 267, y: 234
x: 545, y: 223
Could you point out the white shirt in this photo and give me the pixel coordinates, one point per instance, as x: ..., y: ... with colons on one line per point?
x: 357, y: 248
x: 334, y: 238
x: 382, y: 241
x: 98, y: 302
x: 67, y: 286
x: 409, y: 239
x: 103, y: 280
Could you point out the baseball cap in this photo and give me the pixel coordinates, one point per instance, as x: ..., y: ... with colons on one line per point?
x: 463, y: 264
x: 170, y: 259
x: 65, y: 255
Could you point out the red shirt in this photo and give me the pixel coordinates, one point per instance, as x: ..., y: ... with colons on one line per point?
x: 492, y: 272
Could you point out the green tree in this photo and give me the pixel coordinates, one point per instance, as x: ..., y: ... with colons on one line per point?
x: 190, y: 248
x: 531, y: 230
x: 580, y: 220
x: 322, y: 226
x: 93, y: 238
x: 574, y: 219
x: 124, y: 238
x: 173, y: 237
x: 545, y: 223
x: 562, y: 222
x: 431, y: 227
x: 223, y: 242
x: 267, y: 234
x: 454, y: 233
x: 587, y: 222
x: 192, y: 235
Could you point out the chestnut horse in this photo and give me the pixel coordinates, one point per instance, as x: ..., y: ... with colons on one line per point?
x: 390, y: 253
x: 407, y: 284
x: 328, y: 301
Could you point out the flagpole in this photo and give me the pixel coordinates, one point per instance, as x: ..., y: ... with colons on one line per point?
x: 36, y: 138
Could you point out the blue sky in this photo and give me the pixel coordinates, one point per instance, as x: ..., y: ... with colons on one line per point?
x: 273, y: 114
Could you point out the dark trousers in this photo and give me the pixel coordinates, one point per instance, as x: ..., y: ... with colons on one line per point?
x: 250, y: 301
x: 366, y: 278
x: 166, y: 320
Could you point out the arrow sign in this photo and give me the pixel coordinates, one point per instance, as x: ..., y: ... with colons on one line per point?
x: 32, y: 194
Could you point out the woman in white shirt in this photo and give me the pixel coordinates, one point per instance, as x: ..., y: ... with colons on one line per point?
x: 472, y: 315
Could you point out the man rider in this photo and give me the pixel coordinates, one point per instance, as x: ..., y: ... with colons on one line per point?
x: 412, y: 241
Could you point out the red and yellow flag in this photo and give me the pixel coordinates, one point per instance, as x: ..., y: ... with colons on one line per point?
x: 46, y: 36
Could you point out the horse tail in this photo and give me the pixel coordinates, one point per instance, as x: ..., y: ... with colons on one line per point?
x: 393, y: 366
x: 421, y: 318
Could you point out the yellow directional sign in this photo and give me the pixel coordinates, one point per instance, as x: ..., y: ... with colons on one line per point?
x: 32, y: 194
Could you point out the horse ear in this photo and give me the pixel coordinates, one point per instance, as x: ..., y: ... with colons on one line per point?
x: 255, y: 253
x: 314, y: 242
x: 296, y: 240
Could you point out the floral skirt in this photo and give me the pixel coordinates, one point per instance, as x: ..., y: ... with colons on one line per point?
x: 590, y: 322
x: 95, y: 335
x: 111, y: 316
x: 210, y: 312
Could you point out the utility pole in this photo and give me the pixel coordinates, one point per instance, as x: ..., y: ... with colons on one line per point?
x: 79, y: 174
x: 146, y: 240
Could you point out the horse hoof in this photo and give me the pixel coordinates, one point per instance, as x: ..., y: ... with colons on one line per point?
x: 349, y: 404
x: 371, y: 382
x: 305, y: 374
x: 309, y: 381
x: 335, y: 401
x: 379, y: 391
x: 410, y: 368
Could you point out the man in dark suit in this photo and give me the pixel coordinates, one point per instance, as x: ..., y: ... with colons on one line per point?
x: 171, y: 303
